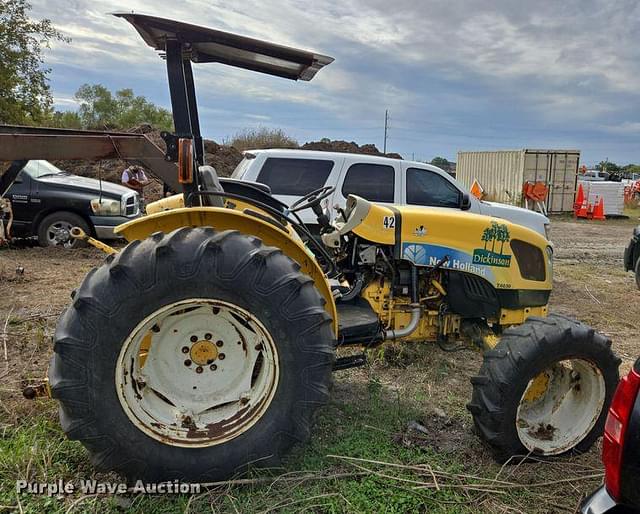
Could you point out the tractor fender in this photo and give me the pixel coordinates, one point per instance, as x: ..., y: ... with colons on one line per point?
x: 229, y: 219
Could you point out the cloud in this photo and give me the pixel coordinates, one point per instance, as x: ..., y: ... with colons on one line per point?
x: 469, y: 73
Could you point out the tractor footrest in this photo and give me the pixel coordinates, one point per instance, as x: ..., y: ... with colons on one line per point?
x: 352, y: 361
x: 358, y: 324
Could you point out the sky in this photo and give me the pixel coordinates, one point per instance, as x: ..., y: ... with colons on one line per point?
x: 454, y: 76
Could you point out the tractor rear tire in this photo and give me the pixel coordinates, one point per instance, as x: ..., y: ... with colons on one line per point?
x: 638, y: 273
x: 191, y: 266
x: 526, y: 402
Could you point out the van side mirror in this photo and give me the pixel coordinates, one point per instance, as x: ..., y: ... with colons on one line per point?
x: 465, y: 202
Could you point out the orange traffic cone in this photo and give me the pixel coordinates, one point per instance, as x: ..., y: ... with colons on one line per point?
x: 583, y: 211
x: 598, y: 211
x: 579, y: 199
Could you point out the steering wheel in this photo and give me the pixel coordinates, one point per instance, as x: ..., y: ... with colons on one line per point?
x: 312, y: 200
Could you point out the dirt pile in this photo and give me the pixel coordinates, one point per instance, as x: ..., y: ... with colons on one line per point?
x: 223, y: 158
x: 326, y: 145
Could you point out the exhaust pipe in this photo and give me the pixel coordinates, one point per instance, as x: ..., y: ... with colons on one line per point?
x: 406, y: 331
x: 416, y: 312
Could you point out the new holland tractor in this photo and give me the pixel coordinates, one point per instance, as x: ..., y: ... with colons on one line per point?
x: 207, y: 343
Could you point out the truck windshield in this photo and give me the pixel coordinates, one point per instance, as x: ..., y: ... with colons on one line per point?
x: 37, y: 169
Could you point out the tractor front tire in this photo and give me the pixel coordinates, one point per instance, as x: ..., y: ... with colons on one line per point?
x: 545, y: 389
x: 638, y: 273
x: 190, y: 356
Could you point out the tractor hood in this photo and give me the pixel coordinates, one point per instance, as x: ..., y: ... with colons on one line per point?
x: 525, y: 217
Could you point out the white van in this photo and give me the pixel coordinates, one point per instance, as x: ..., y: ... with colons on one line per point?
x: 293, y: 173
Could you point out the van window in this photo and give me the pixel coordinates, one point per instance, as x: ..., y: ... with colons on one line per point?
x: 373, y: 182
x: 425, y: 187
x: 294, y: 176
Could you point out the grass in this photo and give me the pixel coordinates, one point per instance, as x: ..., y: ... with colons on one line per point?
x: 365, y: 420
x: 632, y: 212
x: 37, y: 451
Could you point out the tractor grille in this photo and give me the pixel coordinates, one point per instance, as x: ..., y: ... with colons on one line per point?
x: 478, y: 289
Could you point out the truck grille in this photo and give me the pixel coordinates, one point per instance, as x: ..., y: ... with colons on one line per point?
x: 132, y: 205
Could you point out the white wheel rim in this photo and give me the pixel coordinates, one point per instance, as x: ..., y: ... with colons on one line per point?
x: 209, y: 374
x: 560, y: 406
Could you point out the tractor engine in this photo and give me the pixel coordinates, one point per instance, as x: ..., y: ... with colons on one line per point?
x: 396, y: 289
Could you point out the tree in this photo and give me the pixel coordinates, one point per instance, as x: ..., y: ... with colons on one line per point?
x: 607, y: 166
x: 630, y: 169
x: 25, y: 96
x: 100, y: 109
x: 65, y: 119
x: 440, y: 162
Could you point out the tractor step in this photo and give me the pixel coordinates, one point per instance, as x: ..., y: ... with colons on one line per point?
x: 352, y: 361
x: 358, y: 323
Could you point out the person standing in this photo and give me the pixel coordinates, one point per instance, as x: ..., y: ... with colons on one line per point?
x: 135, y: 178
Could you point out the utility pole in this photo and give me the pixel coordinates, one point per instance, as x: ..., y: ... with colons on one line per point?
x: 386, y: 124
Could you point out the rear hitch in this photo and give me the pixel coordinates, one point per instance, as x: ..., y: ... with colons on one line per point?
x: 78, y: 233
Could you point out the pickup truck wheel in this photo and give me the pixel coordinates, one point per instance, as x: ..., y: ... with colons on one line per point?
x: 191, y: 355
x: 54, y: 230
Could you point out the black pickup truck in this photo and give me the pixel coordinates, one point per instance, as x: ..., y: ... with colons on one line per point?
x: 632, y: 255
x: 47, y: 202
x: 620, y: 452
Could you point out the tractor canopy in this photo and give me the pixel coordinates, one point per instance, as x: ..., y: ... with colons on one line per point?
x: 180, y: 44
x: 209, y: 45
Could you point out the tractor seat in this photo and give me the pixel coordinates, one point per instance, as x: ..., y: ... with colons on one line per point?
x: 251, y: 190
x: 211, y: 182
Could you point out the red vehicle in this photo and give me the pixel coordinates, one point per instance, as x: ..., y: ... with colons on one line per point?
x: 620, y: 452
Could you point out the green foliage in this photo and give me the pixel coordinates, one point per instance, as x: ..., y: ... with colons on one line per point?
x: 611, y: 167
x: 100, y: 109
x: 261, y: 137
x: 25, y: 97
x: 630, y: 168
x: 66, y: 119
x: 440, y: 162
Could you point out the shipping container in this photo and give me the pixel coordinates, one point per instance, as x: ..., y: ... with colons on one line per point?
x: 502, y: 174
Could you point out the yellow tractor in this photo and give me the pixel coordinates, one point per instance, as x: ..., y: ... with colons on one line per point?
x: 207, y: 343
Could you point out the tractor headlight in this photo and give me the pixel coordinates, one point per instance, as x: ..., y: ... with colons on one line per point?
x: 547, y: 231
x: 106, y: 207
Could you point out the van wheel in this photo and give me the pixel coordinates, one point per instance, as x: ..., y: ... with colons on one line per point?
x: 54, y: 230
